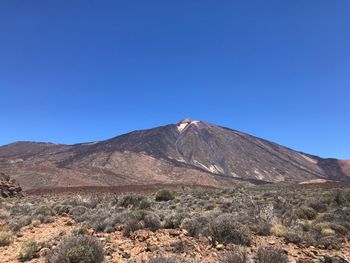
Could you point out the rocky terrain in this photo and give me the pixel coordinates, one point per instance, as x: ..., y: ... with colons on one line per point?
x: 9, y: 187
x: 265, y: 224
x: 189, y: 152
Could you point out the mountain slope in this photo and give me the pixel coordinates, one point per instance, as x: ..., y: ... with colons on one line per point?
x: 187, y: 152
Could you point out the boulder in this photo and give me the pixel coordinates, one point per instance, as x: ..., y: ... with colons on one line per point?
x: 9, y: 187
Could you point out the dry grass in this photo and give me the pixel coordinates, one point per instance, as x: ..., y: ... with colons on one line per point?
x: 312, y: 216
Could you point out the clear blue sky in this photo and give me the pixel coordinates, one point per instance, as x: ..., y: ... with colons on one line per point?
x: 75, y: 71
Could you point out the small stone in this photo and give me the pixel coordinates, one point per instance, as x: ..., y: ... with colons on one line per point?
x: 44, y: 252
x: 220, y: 246
x: 69, y: 222
x: 126, y: 254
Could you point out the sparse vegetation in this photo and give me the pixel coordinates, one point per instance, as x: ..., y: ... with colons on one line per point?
x: 293, y: 236
x: 306, y: 212
x: 278, y: 230
x: 131, y: 225
x: 152, y: 221
x: 272, y: 255
x: 196, y: 225
x: 6, y: 237
x: 82, y: 249
x: 238, y: 255
x: 226, y: 229
x: 28, y: 250
x: 218, y: 220
x: 164, y: 195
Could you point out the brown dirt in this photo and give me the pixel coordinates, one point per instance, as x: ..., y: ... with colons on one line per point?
x: 144, y: 243
x: 111, y: 189
x: 43, y: 232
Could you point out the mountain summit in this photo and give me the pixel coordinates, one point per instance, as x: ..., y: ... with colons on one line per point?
x: 188, y: 152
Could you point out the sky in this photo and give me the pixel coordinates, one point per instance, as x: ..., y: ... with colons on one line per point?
x: 78, y: 71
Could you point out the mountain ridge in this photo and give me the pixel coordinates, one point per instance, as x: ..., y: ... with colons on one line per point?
x: 184, y: 152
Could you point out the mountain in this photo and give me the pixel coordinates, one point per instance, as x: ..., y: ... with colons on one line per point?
x: 189, y: 152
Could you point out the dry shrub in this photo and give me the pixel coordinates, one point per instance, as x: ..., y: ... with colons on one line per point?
x: 134, y: 201
x: 271, y: 255
x: 174, y: 220
x: 28, y: 250
x: 164, y: 195
x: 293, y: 236
x: 152, y: 221
x: 131, y: 225
x: 306, y: 212
x: 238, y: 255
x: 6, y: 237
x: 196, y: 225
x: 329, y: 242
x: 278, y: 230
x: 224, y: 229
x: 77, y: 249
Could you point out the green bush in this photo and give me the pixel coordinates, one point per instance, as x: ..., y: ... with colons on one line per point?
x: 164, y: 195
x: 77, y: 249
x: 306, y: 212
x: 28, y: 250
x: 225, y: 229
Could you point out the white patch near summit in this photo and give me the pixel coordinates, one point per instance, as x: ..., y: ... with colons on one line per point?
x: 182, y: 126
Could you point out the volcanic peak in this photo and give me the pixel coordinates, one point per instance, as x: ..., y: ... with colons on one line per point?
x: 185, y: 123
